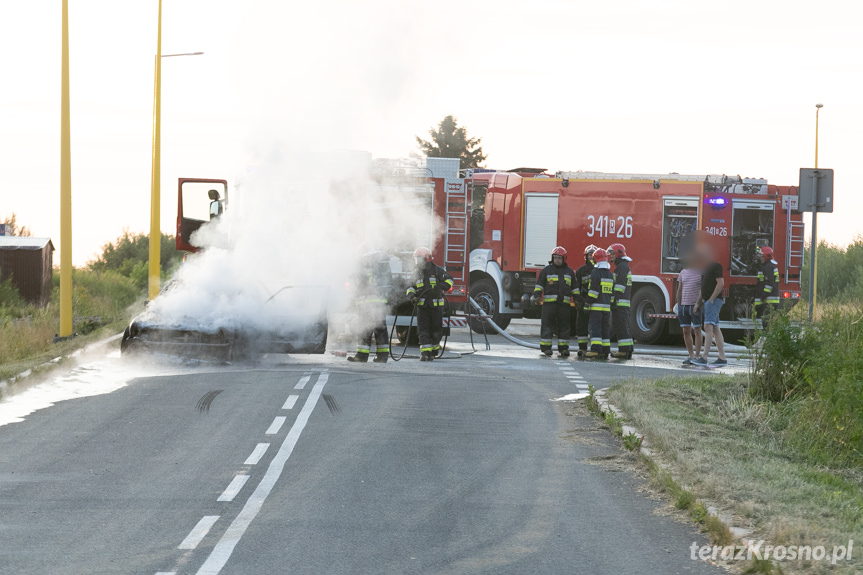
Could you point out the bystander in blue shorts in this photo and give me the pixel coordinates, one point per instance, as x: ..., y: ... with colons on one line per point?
x: 711, y: 311
x: 688, y: 316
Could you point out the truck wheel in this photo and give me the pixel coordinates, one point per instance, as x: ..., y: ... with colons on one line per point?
x: 646, y: 329
x: 484, y: 292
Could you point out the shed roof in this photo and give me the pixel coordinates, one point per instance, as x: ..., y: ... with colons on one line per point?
x: 24, y: 243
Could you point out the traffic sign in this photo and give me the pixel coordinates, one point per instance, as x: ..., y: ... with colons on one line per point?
x: 816, y: 190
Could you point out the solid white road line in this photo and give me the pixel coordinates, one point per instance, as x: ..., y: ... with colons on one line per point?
x: 225, y: 547
x: 292, y: 400
x: 276, y: 425
x: 257, y: 454
x: 303, y: 381
x: 233, y: 488
x: 198, y: 532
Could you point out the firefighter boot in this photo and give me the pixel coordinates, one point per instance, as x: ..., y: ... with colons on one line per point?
x: 622, y: 355
x: 382, y: 357
x: 564, y: 352
x: 361, y: 356
x: 425, y: 356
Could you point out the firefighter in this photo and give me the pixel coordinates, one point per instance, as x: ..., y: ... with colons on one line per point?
x: 429, y: 283
x: 622, y: 278
x: 371, y: 301
x: 767, y: 289
x: 554, y: 288
x: 599, y: 296
x: 582, y: 306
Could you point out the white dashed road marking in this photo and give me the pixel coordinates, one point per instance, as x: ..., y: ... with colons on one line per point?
x: 257, y: 454
x: 303, y: 381
x: 276, y: 425
x: 573, y: 376
x: 291, y: 402
x: 198, y: 532
x: 233, y: 488
x: 225, y: 547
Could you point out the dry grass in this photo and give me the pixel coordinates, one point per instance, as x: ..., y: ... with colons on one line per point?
x: 724, y: 445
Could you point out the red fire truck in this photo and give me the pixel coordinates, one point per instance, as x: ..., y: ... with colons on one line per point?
x: 518, y: 217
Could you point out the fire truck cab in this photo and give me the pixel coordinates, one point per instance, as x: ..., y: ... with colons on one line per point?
x: 519, y: 216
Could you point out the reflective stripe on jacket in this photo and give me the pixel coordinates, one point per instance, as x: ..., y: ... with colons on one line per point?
x: 601, y: 289
x: 430, y: 283
x: 622, y: 277
x: 556, y: 284
x: 767, y: 287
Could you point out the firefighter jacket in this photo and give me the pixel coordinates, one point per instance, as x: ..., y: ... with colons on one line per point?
x: 373, y: 282
x: 582, y: 280
x: 556, y: 284
x: 429, y: 284
x: 767, y: 288
x: 622, y: 277
x: 601, y: 288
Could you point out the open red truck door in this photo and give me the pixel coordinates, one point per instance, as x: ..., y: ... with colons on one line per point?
x: 199, y: 201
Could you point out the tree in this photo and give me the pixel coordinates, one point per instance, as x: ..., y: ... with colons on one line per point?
x: 12, y: 227
x: 129, y: 255
x: 450, y: 140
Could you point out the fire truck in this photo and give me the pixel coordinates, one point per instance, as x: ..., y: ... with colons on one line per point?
x: 519, y: 216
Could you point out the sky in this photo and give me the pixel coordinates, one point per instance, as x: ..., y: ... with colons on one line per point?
x: 629, y: 86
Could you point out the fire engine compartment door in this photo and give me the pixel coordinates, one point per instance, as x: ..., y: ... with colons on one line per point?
x: 540, y: 229
x: 199, y: 202
x: 751, y: 227
x: 679, y: 219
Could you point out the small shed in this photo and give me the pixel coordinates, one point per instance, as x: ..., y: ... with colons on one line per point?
x: 29, y: 262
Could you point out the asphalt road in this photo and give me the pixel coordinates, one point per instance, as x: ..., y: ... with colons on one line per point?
x: 312, y: 465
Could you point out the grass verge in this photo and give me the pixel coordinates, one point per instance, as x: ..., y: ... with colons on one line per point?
x: 735, y: 451
x: 103, y: 303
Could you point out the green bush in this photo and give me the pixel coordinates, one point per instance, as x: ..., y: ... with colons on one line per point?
x: 10, y: 300
x: 815, y: 373
x: 781, y: 363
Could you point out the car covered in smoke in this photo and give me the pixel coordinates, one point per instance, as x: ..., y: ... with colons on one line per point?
x: 229, y: 326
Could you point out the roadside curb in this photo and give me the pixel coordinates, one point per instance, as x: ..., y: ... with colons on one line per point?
x: 740, y: 533
x: 8, y: 383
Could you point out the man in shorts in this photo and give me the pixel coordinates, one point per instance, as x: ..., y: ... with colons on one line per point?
x: 688, y: 288
x: 710, y: 298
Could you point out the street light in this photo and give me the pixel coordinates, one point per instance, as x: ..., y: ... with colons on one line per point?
x: 154, y: 275
x: 66, y: 326
x: 813, y: 262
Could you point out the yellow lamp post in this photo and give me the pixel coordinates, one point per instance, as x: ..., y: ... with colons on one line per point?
x: 154, y: 274
x: 66, y: 326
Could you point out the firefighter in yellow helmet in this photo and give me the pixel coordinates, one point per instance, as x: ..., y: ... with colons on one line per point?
x: 429, y: 283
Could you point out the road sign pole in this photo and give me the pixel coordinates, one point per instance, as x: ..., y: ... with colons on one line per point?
x: 813, y: 248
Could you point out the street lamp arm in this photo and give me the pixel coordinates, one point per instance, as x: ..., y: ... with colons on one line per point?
x: 183, y: 54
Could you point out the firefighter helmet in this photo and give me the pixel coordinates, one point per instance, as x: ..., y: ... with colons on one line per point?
x: 558, y: 251
x: 765, y: 251
x: 600, y: 255
x: 590, y: 249
x: 616, y: 250
x: 423, y: 253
